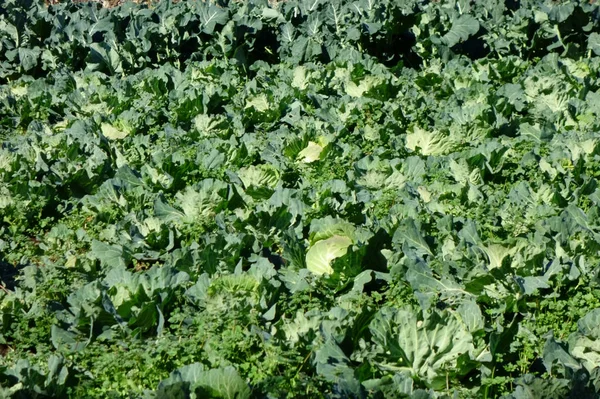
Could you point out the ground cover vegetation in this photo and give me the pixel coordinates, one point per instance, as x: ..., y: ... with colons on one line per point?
x: 304, y: 198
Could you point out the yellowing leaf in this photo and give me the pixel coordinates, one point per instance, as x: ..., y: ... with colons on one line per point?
x: 71, y: 261
x: 111, y: 132
x: 311, y: 153
x: 496, y: 254
x: 18, y: 91
x: 424, y: 193
x: 368, y: 82
x: 5, y: 201
x: 260, y: 103
x: 300, y: 81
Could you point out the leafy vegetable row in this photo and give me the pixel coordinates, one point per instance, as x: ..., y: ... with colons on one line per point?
x: 36, y: 39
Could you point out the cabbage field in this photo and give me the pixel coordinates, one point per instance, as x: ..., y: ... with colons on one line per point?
x: 300, y: 199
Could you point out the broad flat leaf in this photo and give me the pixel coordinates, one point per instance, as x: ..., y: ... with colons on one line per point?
x: 471, y: 315
x: 589, y: 325
x: 320, y: 255
x: 211, y: 15
x: 470, y: 235
x: 578, y: 216
x: 531, y: 284
x: 421, y: 279
x: 532, y: 387
x: 584, y: 344
x: 271, y: 13
x: 400, y: 384
x: 57, y: 370
x: 62, y: 339
x: 409, y: 234
x: 197, y: 293
x: 583, y: 148
x: 166, y: 212
x: 111, y: 132
x: 594, y: 42
x: 102, y: 54
x: 428, y: 348
x: 144, y: 319
x: 514, y: 94
x: 29, y: 57
x: 462, y: 29
x: 128, y: 176
x: 9, y: 30
x: 554, y: 351
x: 270, y: 314
x: 109, y: 255
x: 332, y: 363
x: 110, y: 308
x: 559, y: 11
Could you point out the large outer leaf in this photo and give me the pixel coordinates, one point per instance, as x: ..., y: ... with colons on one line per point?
x: 194, y: 381
x: 260, y: 176
x: 427, y: 285
x: 408, y: 234
x: 429, y: 142
x: 427, y: 348
x: 320, y: 255
x: 202, y: 201
x: 211, y: 15
x: 594, y: 43
x: 584, y: 344
x: 110, y: 255
x: 462, y: 28
x: 225, y: 382
x: 332, y: 364
x: 166, y: 212
x: 259, y: 181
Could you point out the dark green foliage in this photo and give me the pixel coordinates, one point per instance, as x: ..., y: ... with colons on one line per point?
x: 341, y: 199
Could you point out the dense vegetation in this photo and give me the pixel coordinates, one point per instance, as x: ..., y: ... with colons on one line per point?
x: 304, y: 198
